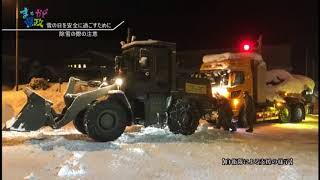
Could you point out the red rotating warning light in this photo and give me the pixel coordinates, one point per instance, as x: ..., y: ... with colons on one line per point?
x: 246, y: 47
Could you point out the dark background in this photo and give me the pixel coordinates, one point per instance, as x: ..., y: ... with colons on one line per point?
x: 191, y: 24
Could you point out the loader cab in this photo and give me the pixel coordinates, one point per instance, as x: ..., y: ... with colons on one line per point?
x: 147, y: 67
x: 148, y: 72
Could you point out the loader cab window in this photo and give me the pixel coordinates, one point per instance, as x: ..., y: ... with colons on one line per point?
x: 237, y: 78
x: 126, y: 61
x: 144, y: 61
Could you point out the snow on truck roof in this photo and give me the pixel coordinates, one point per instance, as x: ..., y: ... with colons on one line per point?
x: 228, y: 55
x: 149, y: 42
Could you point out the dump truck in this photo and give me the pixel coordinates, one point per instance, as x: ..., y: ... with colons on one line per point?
x: 147, y: 89
x: 232, y: 73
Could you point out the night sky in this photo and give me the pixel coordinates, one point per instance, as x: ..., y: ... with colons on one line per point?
x: 192, y: 25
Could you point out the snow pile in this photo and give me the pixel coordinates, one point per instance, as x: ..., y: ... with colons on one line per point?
x: 30, y: 177
x: 41, y: 137
x: 82, y: 143
x: 224, y: 56
x: 149, y: 134
x: 158, y: 135
x: 10, y: 135
x: 39, y: 134
x: 20, y: 128
x: 138, y: 151
x: 61, y: 131
x: 72, y: 167
x: 279, y: 80
x: 10, y: 122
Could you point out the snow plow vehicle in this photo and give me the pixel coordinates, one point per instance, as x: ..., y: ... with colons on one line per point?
x: 274, y: 97
x: 147, y: 89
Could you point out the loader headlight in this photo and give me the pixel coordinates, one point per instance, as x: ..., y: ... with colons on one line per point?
x: 119, y: 81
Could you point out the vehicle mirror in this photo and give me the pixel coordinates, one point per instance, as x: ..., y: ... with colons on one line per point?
x: 117, y: 61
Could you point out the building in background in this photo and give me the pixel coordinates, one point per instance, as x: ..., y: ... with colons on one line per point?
x: 89, y: 65
x: 28, y: 68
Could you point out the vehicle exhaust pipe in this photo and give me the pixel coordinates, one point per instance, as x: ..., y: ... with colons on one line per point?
x: 129, y: 35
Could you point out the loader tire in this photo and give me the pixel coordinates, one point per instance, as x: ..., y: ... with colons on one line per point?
x: 106, y: 120
x: 298, y: 113
x: 173, y: 124
x: 183, y: 118
x: 190, y: 123
x: 79, y: 122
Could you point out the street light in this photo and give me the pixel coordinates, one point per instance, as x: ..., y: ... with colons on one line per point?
x: 17, y: 45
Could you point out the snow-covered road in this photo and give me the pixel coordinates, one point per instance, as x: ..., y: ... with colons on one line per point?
x: 152, y: 153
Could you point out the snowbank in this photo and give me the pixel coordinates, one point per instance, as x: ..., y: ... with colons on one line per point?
x: 147, y: 135
x: 40, y: 134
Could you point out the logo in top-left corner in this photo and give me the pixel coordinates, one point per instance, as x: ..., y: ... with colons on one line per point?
x: 33, y: 18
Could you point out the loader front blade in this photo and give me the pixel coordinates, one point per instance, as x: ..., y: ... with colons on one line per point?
x: 35, y: 114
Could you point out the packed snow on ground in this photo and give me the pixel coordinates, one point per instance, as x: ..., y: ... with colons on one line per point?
x: 72, y: 167
x: 153, y: 153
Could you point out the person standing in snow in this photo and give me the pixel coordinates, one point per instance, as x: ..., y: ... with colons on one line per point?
x: 225, y: 115
x: 249, y: 110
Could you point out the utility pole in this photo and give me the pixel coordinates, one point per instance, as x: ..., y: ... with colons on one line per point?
x: 259, y: 44
x: 17, y: 45
x: 314, y: 70
x: 306, y: 72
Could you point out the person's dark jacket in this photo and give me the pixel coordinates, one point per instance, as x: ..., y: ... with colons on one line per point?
x: 249, y: 109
